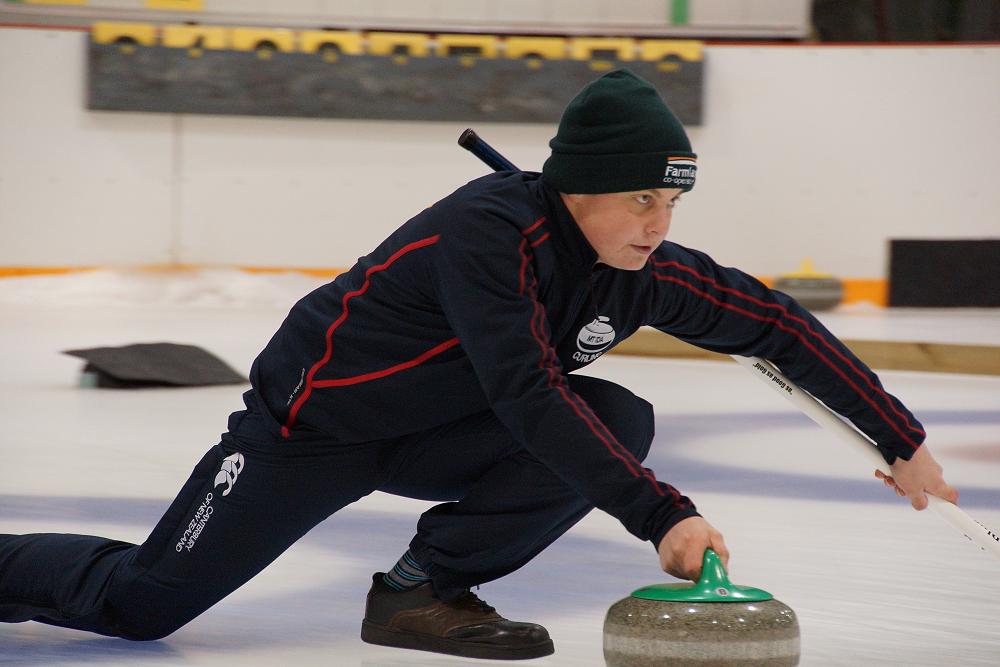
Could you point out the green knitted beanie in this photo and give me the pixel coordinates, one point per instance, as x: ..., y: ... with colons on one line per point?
x: 618, y: 135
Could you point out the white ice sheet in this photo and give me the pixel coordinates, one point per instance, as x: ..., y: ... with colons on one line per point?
x: 873, y: 582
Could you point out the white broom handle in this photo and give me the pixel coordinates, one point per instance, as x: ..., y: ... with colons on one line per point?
x: 980, y: 535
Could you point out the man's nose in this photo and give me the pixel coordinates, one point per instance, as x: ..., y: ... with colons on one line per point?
x: 660, y: 224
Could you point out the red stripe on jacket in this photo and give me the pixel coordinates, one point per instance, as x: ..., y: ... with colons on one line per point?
x: 547, y: 362
x: 802, y: 338
x: 541, y: 240
x: 307, y: 391
x: 548, y: 359
x: 534, y: 226
x: 805, y: 325
x: 367, y: 377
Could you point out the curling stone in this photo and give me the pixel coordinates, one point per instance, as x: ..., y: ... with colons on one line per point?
x: 712, y: 623
x: 813, y: 290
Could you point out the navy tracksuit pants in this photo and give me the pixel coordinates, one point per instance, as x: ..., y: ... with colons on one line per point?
x: 230, y: 520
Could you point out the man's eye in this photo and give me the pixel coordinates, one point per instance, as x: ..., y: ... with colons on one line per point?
x: 643, y: 199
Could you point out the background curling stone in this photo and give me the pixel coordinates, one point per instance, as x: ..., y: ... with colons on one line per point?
x: 813, y: 290
x: 708, y: 624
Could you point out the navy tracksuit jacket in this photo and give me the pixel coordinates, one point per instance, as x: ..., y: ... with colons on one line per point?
x: 486, y: 299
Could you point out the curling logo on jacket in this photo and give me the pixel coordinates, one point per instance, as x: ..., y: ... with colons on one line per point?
x: 593, y: 339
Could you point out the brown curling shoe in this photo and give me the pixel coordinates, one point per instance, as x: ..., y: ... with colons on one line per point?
x: 466, y: 626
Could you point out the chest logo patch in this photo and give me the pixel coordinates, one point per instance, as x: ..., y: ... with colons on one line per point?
x: 593, y: 339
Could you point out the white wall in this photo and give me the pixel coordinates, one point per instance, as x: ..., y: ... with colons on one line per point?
x: 76, y: 188
x: 830, y: 151
x: 823, y: 152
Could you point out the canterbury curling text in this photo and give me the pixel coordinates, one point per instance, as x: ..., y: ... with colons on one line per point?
x: 228, y: 473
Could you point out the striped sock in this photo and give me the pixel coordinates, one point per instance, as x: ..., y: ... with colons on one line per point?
x: 406, y: 574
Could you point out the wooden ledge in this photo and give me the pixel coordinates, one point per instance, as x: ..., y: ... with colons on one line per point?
x: 884, y: 355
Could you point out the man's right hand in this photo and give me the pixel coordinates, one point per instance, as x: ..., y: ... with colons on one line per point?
x: 916, y: 478
x: 683, y: 548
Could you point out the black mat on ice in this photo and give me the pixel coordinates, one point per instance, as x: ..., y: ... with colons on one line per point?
x: 155, y: 365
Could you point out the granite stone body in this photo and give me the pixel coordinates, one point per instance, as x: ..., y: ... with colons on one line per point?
x: 812, y: 293
x: 653, y: 633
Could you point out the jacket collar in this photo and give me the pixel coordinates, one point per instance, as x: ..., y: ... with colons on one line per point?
x: 574, y: 251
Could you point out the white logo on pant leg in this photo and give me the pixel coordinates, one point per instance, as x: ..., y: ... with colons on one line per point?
x: 231, y: 467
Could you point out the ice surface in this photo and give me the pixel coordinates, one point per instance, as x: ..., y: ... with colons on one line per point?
x: 873, y: 582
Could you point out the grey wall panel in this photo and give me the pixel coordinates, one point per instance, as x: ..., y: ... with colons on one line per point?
x: 236, y: 8
x: 632, y: 12
x: 785, y: 19
x: 347, y: 9
x: 410, y: 10
x: 368, y: 87
x: 472, y: 11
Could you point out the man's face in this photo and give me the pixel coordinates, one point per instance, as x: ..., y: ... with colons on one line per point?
x: 624, y: 228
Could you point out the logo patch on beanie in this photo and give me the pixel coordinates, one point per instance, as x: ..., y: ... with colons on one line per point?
x: 680, y: 172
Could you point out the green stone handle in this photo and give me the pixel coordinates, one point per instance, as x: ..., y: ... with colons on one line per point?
x: 714, y: 586
x: 713, y: 572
